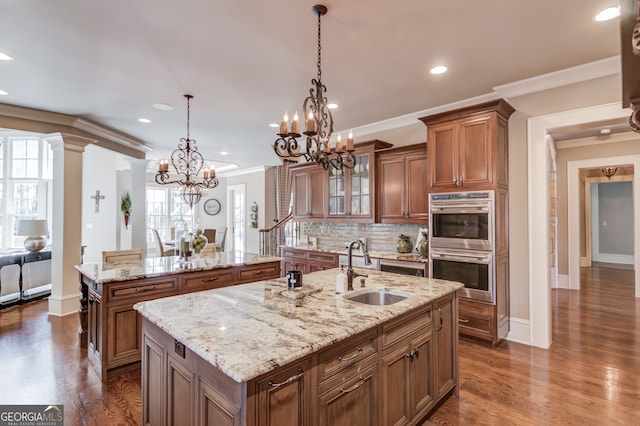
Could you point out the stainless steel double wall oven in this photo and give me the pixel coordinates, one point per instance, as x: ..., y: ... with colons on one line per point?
x: 462, y: 241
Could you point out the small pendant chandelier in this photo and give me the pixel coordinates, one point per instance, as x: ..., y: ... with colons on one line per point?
x: 609, y: 171
x: 187, y: 162
x: 318, y: 125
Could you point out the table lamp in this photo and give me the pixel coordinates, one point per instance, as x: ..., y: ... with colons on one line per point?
x: 36, y: 231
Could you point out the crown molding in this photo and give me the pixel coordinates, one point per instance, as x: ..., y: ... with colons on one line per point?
x: 111, y: 135
x: 241, y: 172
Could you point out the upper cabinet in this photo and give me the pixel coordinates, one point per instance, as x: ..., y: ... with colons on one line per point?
x: 467, y: 148
x: 309, y: 187
x: 402, y: 192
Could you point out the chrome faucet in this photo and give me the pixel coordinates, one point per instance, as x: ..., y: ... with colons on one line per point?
x: 351, y: 274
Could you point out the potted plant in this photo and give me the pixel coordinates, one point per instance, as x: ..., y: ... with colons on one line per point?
x: 125, y: 208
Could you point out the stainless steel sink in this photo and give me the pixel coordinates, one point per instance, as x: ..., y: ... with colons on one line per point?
x: 378, y: 297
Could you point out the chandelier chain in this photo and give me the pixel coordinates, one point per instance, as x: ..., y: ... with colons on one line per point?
x: 319, y: 48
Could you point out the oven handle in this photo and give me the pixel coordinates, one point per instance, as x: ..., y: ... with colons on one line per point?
x: 463, y: 257
x: 462, y: 208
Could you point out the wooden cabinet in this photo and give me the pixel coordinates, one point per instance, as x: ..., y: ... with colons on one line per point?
x: 309, y: 191
x: 401, y: 184
x: 408, y: 370
x: 284, y: 397
x: 445, y: 320
x: 94, y: 324
x: 307, y: 261
x: 467, y: 148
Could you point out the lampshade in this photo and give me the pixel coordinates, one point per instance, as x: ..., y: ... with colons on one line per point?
x: 32, y: 227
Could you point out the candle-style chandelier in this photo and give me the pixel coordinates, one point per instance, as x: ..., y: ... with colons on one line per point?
x: 318, y: 125
x: 609, y: 171
x: 187, y: 162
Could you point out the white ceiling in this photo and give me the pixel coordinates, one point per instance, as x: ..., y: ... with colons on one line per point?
x: 247, y: 61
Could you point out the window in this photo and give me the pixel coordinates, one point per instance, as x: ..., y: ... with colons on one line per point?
x: 26, y: 173
x: 166, y: 210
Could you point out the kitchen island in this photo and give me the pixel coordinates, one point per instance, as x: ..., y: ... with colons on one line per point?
x: 110, y: 327
x: 262, y: 354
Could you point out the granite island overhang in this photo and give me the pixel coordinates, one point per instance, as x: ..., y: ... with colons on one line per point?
x: 247, y: 333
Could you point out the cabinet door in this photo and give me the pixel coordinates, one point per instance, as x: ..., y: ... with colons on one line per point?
x: 476, y: 150
x: 416, y: 177
x: 124, y: 334
x: 309, y: 192
x: 181, y: 393
x: 391, y: 175
x: 284, y: 397
x: 301, y: 194
x: 442, y: 152
x: 317, y: 193
x: 395, y: 386
x: 360, y: 187
x: 214, y: 409
x: 153, y: 382
x: 353, y: 402
x: 421, y: 375
x: 94, y: 332
x: 444, y: 323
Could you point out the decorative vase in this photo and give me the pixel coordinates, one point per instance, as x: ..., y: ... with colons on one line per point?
x: 423, y: 246
x: 198, y: 242
x: 404, y: 244
x: 126, y: 221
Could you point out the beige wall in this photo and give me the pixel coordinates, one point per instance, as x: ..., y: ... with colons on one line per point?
x: 575, y: 154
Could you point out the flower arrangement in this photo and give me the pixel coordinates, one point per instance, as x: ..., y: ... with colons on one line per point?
x: 125, y: 207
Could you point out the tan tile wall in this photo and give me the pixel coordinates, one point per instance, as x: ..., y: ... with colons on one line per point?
x: 379, y: 236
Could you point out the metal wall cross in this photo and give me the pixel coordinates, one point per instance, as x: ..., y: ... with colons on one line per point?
x: 98, y: 197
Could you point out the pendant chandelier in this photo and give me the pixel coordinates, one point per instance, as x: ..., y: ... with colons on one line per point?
x: 609, y: 171
x: 187, y: 162
x: 318, y: 125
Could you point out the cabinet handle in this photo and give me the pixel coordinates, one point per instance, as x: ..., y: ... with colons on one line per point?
x: 354, y: 387
x: 455, y: 181
x: 463, y: 321
x: 289, y: 380
x: 461, y: 180
x: 354, y: 356
x: 258, y: 272
x: 206, y: 280
x: 441, y: 320
x: 413, y: 353
x: 139, y: 290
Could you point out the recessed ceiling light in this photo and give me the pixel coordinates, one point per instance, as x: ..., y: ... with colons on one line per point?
x: 144, y: 120
x: 5, y: 57
x: 440, y: 69
x: 332, y: 106
x: 607, y: 14
x: 2, y: 93
x: 274, y: 125
x: 224, y: 153
x: 163, y: 107
x: 605, y: 131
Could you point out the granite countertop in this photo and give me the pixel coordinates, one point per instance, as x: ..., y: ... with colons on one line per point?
x: 391, y: 255
x: 169, y: 265
x: 250, y: 329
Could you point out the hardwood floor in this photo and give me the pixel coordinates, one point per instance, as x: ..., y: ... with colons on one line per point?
x: 590, y: 375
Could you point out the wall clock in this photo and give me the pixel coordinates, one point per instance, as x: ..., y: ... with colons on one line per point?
x: 212, y: 207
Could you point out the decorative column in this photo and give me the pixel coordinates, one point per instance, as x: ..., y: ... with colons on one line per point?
x: 67, y: 222
x: 138, y: 218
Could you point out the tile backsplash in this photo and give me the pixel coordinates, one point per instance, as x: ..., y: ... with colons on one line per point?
x: 380, y: 237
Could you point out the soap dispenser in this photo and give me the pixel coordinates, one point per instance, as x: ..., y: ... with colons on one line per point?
x: 341, y: 281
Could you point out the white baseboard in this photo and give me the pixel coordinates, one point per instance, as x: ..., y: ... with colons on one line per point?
x: 520, y: 331
x: 563, y: 281
x: 626, y: 259
x: 61, y: 306
x: 584, y: 262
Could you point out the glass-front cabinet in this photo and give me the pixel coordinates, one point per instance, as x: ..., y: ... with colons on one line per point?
x: 350, y: 189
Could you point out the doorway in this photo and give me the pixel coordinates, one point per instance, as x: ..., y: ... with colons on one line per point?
x: 236, y: 196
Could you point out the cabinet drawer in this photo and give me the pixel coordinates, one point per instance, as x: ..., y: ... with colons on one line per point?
x: 315, y: 266
x: 407, y: 325
x: 293, y: 254
x: 36, y: 257
x: 344, y: 355
x: 327, y: 258
x: 136, y: 290
x: 260, y: 272
x: 482, y: 324
x: 212, y: 279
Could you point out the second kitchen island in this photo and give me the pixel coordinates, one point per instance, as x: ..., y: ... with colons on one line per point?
x: 259, y: 354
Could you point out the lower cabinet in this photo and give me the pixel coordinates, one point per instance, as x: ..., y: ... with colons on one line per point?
x: 307, y: 261
x: 445, y: 324
x: 284, y: 398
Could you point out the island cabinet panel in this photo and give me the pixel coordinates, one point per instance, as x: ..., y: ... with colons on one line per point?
x: 94, y: 325
x: 181, y: 397
x: 149, y: 288
x: 214, y: 409
x: 445, y: 324
x: 284, y: 397
x: 353, y: 400
x: 407, y: 370
x: 153, y: 382
x: 124, y: 331
x: 402, y: 175
x: 208, y: 280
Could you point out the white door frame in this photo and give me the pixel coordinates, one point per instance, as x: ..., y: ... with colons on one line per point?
x: 538, y: 210
x: 573, y: 201
x: 241, y: 187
